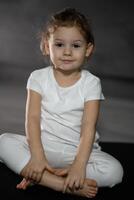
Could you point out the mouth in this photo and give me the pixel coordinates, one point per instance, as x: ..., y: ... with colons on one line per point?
x: 67, y: 61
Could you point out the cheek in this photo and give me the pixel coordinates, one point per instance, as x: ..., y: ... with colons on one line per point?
x: 54, y: 54
x: 80, y: 55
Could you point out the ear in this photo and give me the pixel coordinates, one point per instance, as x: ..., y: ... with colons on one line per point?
x: 89, y: 49
x: 46, y: 45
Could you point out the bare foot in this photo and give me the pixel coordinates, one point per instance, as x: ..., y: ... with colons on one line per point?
x: 24, y: 184
x: 89, y: 190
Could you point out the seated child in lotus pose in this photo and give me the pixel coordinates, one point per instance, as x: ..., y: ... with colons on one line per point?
x: 61, y: 148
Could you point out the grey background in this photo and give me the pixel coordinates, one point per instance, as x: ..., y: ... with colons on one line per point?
x: 113, y: 28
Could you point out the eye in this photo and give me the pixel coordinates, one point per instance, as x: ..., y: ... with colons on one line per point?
x: 76, y: 45
x: 59, y: 44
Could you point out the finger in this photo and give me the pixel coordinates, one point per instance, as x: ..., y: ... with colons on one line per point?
x: 71, y: 185
x: 57, y: 171
x: 65, y: 185
x: 50, y: 169
x: 62, y: 172
x: 28, y: 174
x: 64, y: 188
x: 77, y: 185
x: 33, y: 176
x: 81, y: 183
x: 38, y: 177
x: 24, y: 174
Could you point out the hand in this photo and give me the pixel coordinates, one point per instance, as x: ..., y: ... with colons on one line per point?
x: 35, y: 168
x: 75, y: 178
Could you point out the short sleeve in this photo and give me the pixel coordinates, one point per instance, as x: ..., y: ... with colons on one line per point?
x: 33, y: 82
x: 93, y: 89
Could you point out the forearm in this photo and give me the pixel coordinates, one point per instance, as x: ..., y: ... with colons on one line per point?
x: 33, y: 134
x: 85, y: 146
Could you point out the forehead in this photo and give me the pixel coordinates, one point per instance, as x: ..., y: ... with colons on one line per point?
x: 65, y: 33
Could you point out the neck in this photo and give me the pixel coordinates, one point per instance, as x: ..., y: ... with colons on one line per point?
x: 66, y: 78
x: 67, y: 73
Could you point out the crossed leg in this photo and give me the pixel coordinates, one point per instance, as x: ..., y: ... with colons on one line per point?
x: 56, y: 183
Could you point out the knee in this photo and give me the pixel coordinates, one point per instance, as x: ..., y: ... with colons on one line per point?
x: 4, y: 140
x: 114, y: 173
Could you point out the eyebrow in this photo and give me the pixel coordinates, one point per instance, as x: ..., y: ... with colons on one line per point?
x: 57, y: 39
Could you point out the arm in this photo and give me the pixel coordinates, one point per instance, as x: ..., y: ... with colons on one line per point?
x: 32, y: 123
x: 76, y: 173
x: 88, y: 129
x: 37, y: 163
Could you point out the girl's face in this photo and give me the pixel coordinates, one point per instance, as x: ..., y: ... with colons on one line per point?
x: 67, y: 48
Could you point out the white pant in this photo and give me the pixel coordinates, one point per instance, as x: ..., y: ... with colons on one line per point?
x: 102, y: 167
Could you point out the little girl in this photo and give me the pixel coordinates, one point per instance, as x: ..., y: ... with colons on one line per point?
x: 61, y: 148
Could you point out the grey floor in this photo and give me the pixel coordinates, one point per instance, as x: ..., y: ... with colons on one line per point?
x: 116, y: 120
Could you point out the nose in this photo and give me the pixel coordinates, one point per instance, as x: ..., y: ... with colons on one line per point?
x: 68, y: 51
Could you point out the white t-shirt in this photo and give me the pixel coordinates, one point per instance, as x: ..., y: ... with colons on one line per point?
x: 62, y: 107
